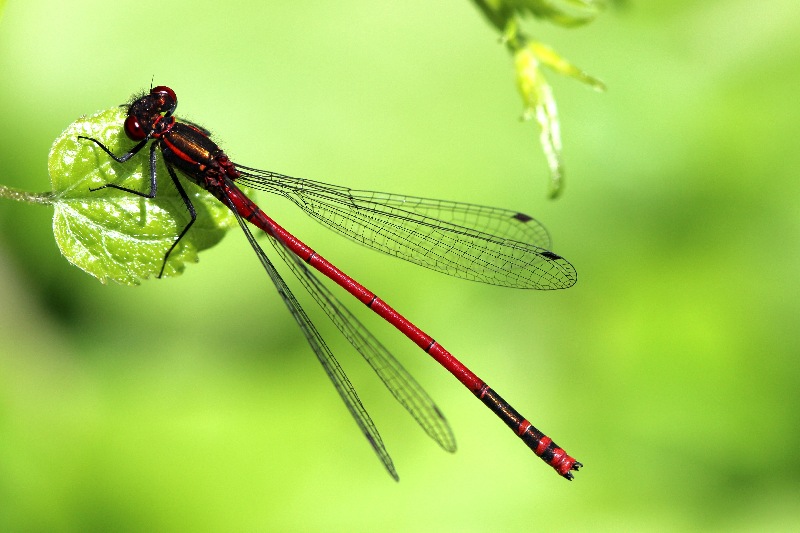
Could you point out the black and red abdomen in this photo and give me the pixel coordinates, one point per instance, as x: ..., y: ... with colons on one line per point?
x: 194, y: 153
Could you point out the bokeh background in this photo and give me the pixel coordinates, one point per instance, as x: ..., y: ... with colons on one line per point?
x: 670, y: 370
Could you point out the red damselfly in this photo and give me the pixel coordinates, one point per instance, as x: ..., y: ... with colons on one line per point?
x: 491, y: 245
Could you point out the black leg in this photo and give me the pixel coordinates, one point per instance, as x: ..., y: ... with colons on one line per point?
x: 153, y: 186
x: 123, y: 159
x: 189, y: 206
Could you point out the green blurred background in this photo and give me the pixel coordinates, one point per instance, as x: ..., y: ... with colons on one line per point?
x: 670, y: 370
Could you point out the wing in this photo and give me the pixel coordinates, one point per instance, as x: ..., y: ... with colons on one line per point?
x: 469, y: 241
x: 324, y: 354
x: 403, y: 387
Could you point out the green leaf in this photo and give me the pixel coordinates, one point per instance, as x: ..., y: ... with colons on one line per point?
x: 118, y: 236
x: 563, y: 12
x: 553, y: 60
x: 540, y: 104
x: 529, y: 56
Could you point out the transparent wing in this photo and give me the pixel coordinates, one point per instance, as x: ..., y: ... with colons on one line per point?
x: 403, y: 387
x: 469, y: 241
x: 324, y: 354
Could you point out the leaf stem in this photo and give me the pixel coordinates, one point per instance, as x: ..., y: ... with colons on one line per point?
x: 44, y: 198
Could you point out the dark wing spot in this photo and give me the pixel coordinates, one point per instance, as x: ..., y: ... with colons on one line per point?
x: 522, y: 217
x: 550, y: 255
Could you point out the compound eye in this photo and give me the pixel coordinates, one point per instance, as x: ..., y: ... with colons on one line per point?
x: 133, y: 129
x: 168, y: 94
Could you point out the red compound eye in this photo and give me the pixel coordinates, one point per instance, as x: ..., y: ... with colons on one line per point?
x: 167, y: 92
x: 133, y: 129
